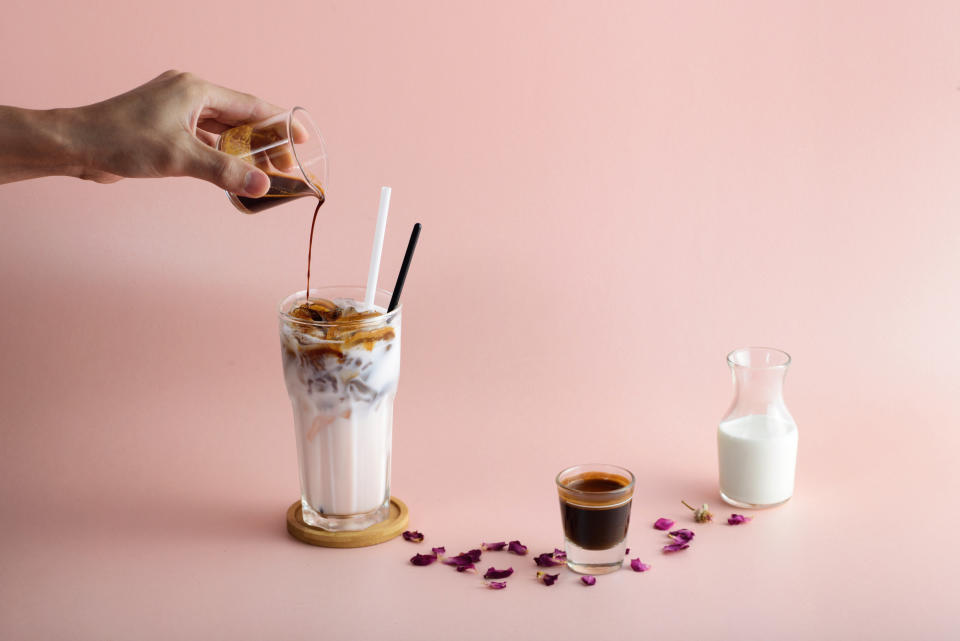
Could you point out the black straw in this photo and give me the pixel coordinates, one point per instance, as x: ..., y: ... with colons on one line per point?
x: 402, y: 276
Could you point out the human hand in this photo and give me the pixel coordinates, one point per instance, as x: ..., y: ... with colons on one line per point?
x: 166, y: 127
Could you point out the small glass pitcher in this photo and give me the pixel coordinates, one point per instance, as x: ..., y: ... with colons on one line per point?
x: 288, y: 147
x: 757, y: 439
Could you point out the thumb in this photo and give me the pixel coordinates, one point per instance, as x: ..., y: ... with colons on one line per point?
x: 227, y: 172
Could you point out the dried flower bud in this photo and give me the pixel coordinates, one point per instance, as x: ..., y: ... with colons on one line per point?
x: 701, y: 515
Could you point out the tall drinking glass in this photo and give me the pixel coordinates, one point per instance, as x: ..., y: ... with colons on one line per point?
x: 341, y: 364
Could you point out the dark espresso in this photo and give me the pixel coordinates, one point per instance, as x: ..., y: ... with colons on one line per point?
x: 592, y: 518
x: 282, y: 190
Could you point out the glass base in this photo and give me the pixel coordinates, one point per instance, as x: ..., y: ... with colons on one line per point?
x: 347, y: 523
x: 752, y: 506
x: 583, y: 561
x: 236, y: 203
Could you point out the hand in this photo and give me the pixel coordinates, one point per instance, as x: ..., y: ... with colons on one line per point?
x: 168, y: 127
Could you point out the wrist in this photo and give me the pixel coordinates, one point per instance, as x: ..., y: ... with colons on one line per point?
x: 60, y: 133
x: 36, y: 143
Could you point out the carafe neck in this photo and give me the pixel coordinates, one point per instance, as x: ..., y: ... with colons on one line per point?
x: 758, y: 386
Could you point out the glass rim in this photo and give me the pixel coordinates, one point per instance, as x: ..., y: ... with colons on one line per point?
x: 734, y: 360
x: 315, y: 131
x: 622, y: 490
x: 385, y: 318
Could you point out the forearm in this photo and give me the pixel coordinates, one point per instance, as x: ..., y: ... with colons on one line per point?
x: 166, y: 127
x: 36, y: 143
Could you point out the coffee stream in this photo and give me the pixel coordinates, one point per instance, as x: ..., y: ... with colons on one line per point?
x: 281, y: 189
x: 310, y: 245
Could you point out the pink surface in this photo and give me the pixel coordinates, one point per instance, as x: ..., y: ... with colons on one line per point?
x: 613, y: 196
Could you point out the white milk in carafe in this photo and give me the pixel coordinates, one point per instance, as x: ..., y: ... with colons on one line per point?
x: 758, y: 457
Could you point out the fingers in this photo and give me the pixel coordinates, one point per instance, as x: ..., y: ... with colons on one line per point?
x: 221, y: 109
x: 233, y: 107
x: 225, y: 171
x: 300, y: 132
x: 225, y: 108
x: 207, y: 138
x: 212, y: 126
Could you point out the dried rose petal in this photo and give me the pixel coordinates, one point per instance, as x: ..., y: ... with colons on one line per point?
x: 463, y: 560
x: 737, y: 519
x: 638, y: 566
x: 675, y: 547
x: 547, y: 579
x: 517, y: 547
x: 497, y: 585
x: 413, y: 537
x: 626, y: 552
x: 469, y: 567
x: 588, y: 580
x: 559, y: 555
x: 663, y: 524
x: 423, y: 559
x: 702, y: 515
x: 682, y: 536
x: 440, y: 551
x: 493, y: 573
x: 546, y: 560
x: 473, y: 555
x: 493, y: 547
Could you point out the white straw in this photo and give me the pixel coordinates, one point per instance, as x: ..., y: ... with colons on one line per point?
x: 374, y: 272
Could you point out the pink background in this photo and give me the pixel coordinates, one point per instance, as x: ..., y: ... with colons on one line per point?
x: 613, y: 196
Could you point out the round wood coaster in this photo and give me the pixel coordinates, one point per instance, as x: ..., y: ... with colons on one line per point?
x: 392, y: 526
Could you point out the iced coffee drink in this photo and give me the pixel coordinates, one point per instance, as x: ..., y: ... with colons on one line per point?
x: 341, y: 363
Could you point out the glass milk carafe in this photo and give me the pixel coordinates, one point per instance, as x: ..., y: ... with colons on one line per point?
x: 757, y: 439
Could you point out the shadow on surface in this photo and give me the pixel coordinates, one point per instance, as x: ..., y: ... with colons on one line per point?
x: 165, y: 519
x: 696, y: 490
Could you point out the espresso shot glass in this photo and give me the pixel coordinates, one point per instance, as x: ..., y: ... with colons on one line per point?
x: 595, y: 503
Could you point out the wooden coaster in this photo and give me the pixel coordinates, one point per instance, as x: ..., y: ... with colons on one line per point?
x: 392, y: 526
